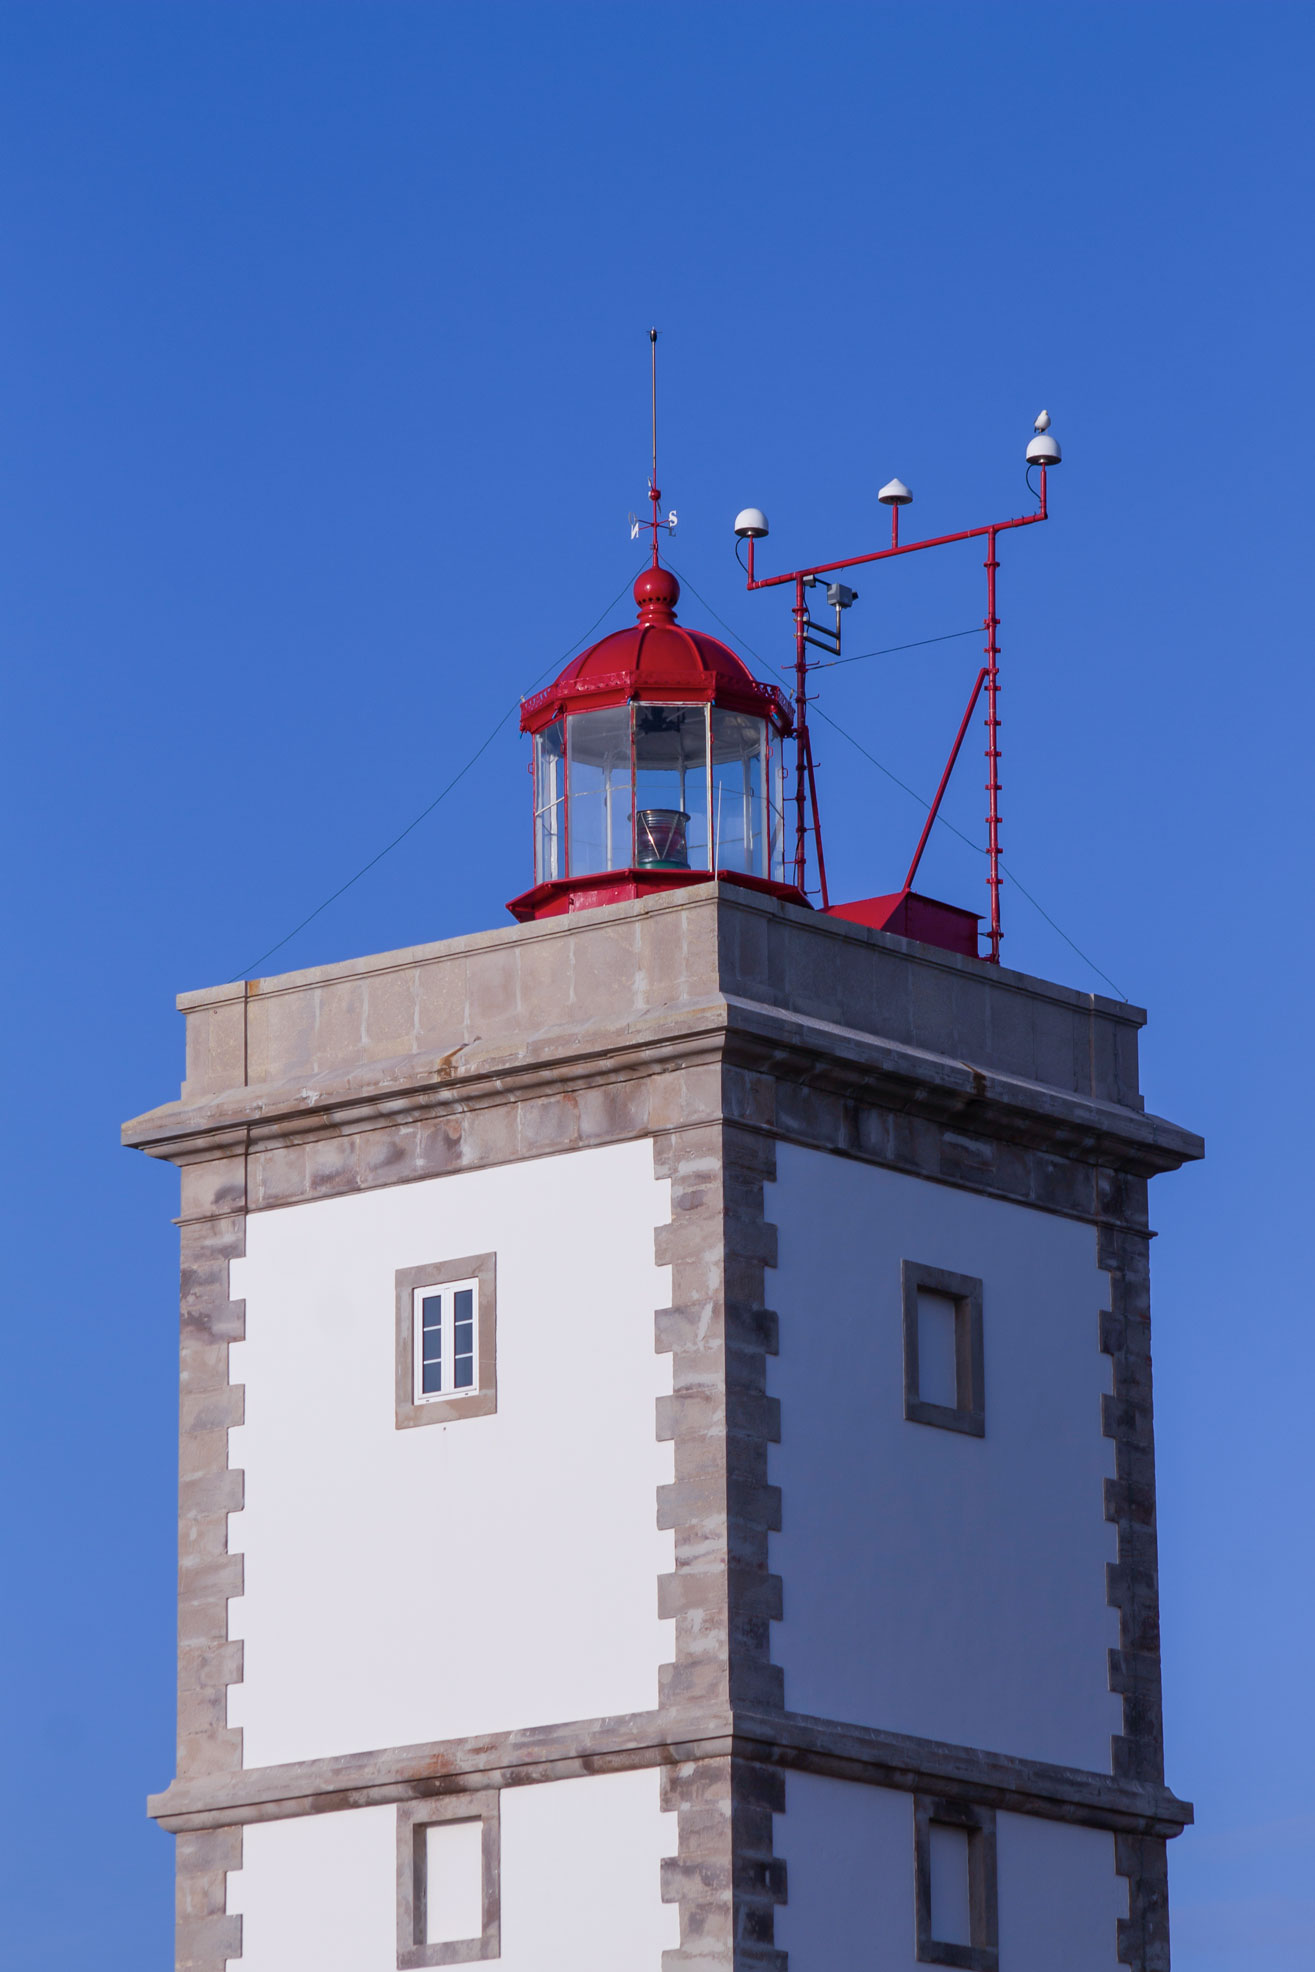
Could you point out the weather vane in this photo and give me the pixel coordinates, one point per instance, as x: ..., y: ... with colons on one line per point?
x: 654, y: 493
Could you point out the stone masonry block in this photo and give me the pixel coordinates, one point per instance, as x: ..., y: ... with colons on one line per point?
x: 548, y: 1123
x: 606, y: 961
x: 214, y: 1407
x: 201, y: 1456
x: 438, y: 1145
x: 206, y: 1944
x: 330, y: 1166
x: 210, y: 1494
x: 660, y: 975
x: 202, y: 1624
x: 384, y: 1157
x: 749, y: 1097
x: 697, y: 1413
x: 216, y: 1047
x: 340, y: 1027
x: 280, y: 1033
x: 442, y: 1020
x: 215, y: 1751
x: 744, y: 952
x: 209, y: 1576
x: 277, y: 1176
x: 493, y: 992
x: 203, y: 1366
x: 1143, y: 1941
x: 213, y: 1188
x: 614, y: 1112
x: 388, y: 1021
x: 696, y: 1328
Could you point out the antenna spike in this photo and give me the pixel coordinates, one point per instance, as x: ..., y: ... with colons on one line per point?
x: 653, y: 492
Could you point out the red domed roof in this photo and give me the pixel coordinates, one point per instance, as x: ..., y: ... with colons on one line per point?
x: 656, y: 659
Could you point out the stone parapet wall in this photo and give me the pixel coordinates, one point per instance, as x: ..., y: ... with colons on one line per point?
x: 609, y: 965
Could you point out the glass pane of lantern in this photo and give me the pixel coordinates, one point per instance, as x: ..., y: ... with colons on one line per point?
x: 598, y: 745
x: 775, y: 808
x: 739, y: 809
x: 671, y: 782
x: 549, y: 803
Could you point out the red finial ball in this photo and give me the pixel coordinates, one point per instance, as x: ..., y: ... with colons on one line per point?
x: 657, y: 592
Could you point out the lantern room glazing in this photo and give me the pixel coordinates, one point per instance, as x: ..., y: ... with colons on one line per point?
x: 657, y: 756
x: 654, y: 787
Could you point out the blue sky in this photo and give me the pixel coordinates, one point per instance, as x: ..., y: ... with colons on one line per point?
x: 323, y: 401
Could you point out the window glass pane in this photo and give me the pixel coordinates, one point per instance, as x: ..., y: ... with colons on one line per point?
x: 738, y: 809
x: 463, y: 1304
x: 431, y: 1378
x: 775, y: 806
x: 454, y: 1882
x: 937, y: 1380
x: 550, y: 803
x: 599, y: 782
x: 950, y: 1920
x: 463, y: 1373
x: 671, y: 787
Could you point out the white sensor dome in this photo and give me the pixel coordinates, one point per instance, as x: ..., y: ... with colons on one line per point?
x: 1044, y: 450
x: 895, y: 494
x: 751, y: 524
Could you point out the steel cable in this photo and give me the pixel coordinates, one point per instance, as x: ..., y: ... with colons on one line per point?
x: 425, y: 812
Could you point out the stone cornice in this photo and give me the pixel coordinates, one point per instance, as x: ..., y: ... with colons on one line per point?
x: 739, y: 1032
x: 663, y: 1738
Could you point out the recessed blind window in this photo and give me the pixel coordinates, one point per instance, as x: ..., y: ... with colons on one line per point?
x: 446, y: 1327
x: 937, y: 1374
x: 951, y: 1921
x: 454, y: 1881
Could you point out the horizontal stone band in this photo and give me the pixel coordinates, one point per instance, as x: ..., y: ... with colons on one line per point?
x: 647, y: 1739
x: 739, y: 1033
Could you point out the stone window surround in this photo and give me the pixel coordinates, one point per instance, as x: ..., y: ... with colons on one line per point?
x: 983, y: 1954
x: 413, y: 1818
x: 965, y: 1290
x: 481, y: 1402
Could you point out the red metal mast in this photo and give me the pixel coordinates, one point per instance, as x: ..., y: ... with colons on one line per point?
x: 993, y: 741
x: 800, y: 614
x: 751, y: 526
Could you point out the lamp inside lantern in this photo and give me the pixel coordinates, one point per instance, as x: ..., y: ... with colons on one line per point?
x: 660, y: 842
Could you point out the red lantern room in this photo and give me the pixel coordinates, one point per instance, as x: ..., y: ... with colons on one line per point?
x: 657, y: 764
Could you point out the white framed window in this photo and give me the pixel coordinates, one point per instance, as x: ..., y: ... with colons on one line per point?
x: 447, y: 1340
x: 445, y: 1345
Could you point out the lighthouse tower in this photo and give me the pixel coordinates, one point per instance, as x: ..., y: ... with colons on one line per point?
x: 666, y: 1470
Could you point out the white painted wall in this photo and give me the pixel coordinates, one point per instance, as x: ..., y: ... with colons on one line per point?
x: 423, y: 1584
x: 581, y: 1875
x: 318, y: 1893
x: 848, y: 1851
x: 1060, y: 1900
x: 581, y: 1883
x: 849, y: 1871
x: 937, y: 1584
